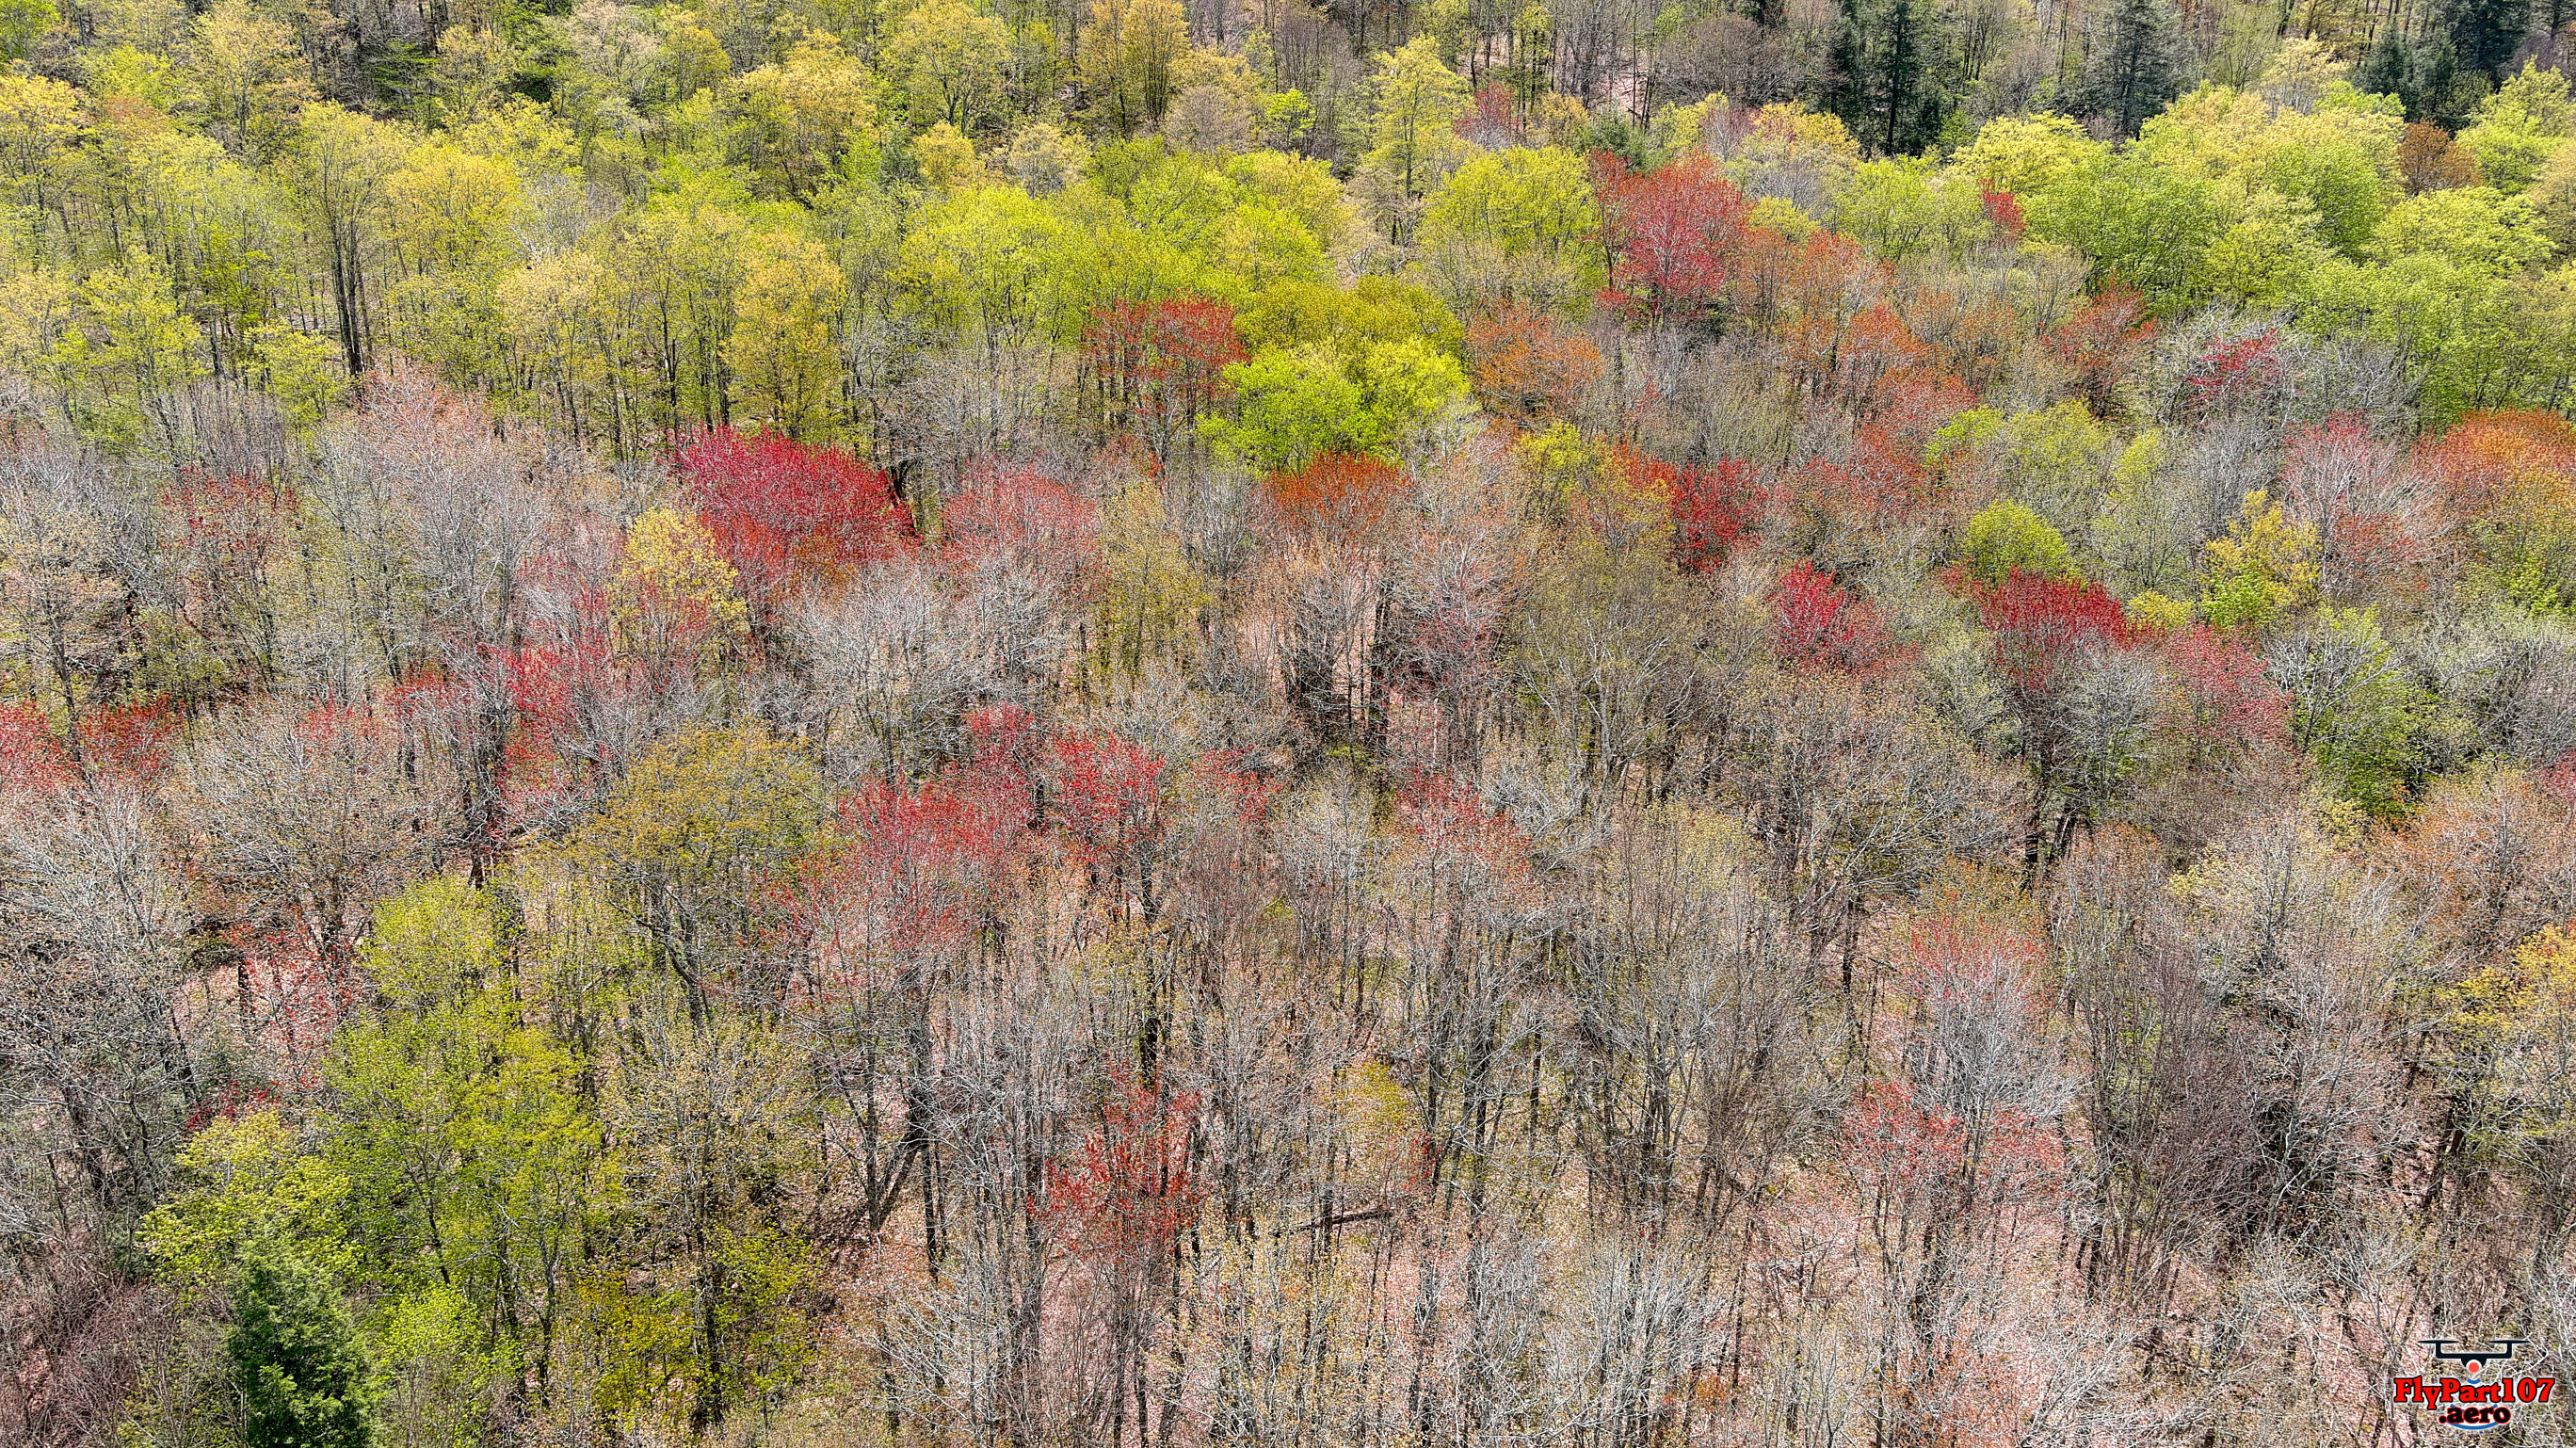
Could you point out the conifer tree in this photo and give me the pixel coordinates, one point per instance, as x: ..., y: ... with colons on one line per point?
x: 296, y: 1362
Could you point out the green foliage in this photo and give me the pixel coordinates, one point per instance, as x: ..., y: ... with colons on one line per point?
x: 1315, y: 398
x: 2133, y: 221
x: 2006, y: 537
x: 2476, y: 229
x: 2264, y: 567
x: 2519, y: 128
x: 303, y: 1379
x: 1514, y: 224
x: 23, y: 23
x: 242, y: 1180
x: 1905, y: 208
x: 1411, y: 135
x: 2354, y: 710
x: 438, y: 1379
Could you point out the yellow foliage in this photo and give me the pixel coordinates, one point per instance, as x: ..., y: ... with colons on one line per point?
x: 785, y: 357
x: 675, y: 591
x: 1150, y: 591
x: 2263, y: 568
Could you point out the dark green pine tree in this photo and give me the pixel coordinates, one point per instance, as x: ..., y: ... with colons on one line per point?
x: 2131, y: 73
x: 2389, y: 70
x: 2484, y: 34
x: 296, y: 1360
x: 1888, y: 59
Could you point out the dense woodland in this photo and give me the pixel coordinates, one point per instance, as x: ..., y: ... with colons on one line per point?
x: 1162, y: 722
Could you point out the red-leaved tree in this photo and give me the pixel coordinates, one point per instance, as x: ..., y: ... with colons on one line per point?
x: 789, y: 514
x: 1157, y: 367
x: 1819, y: 624
x: 1673, y: 234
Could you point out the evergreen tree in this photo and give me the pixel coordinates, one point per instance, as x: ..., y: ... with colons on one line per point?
x: 2389, y: 70
x: 2484, y: 34
x: 2132, y: 72
x: 1888, y: 58
x: 296, y: 1361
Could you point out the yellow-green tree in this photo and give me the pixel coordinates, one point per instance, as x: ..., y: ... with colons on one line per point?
x: 1128, y: 55
x: 950, y: 60
x: 691, y: 852
x: 1412, y: 129
x: 784, y: 350
x: 131, y: 348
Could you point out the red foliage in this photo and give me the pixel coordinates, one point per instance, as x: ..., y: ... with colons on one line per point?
x: 1127, y: 1193
x: 1158, y: 365
x: 786, y: 512
x: 2004, y: 210
x: 1912, y: 408
x: 1525, y: 364
x: 222, y: 532
x: 1673, y: 234
x: 1493, y: 120
x: 1462, y: 846
x: 229, y: 1101
x: 566, y: 687
x: 2483, y: 462
x: 130, y: 739
x: 2368, y: 508
x: 1338, y: 497
x: 1948, y: 1134
x: 1248, y: 793
x: 1018, y: 517
x: 32, y: 756
x: 919, y: 869
x: 2244, y: 370
x: 2099, y: 340
x: 1875, y: 352
x: 2227, y: 702
x: 1107, y: 792
x: 2041, y: 624
x: 1712, y: 508
x: 1817, y: 623
x: 1877, y: 486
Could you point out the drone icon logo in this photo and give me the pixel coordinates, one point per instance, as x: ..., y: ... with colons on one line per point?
x: 2471, y: 1405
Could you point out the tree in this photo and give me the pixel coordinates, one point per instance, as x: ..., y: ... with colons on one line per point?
x: 784, y: 349
x: 2005, y: 538
x: 470, y: 1162
x: 2132, y: 71
x: 1673, y: 234
x: 345, y: 160
x: 949, y: 57
x: 133, y: 348
x: 2519, y: 128
x: 1159, y: 367
x: 1890, y: 67
x: 689, y: 851
x: 304, y: 1382
x: 1416, y: 102
x: 2080, y: 697
x: 2264, y: 567
x: 677, y: 600
x: 1129, y: 53
x: 1515, y: 225
x: 2483, y: 34
x: 790, y: 516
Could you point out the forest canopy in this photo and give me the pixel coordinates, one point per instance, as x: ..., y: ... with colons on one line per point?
x: 1030, y: 722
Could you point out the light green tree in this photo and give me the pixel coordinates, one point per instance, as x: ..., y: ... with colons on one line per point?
x: 950, y: 60
x: 2006, y: 538
x: 1412, y: 132
x: 785, y: 351
x: 2520, y: 128
x: 131, y: 348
